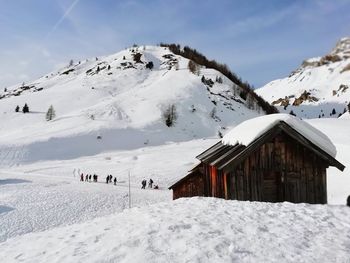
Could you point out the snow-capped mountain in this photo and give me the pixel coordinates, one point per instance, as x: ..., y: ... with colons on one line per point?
x: 140, y: 96
x: 320, y: 87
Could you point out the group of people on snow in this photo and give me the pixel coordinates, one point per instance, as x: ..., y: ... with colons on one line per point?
x: 150, y: 184
x: 88, y: 177
x: 109, y: 179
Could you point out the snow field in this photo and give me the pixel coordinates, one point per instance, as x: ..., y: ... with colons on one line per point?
x: 44, y: 195
x: 196, y: 230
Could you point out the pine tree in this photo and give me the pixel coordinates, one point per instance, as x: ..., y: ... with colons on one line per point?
x: 25, y: 108
x: 50, y: 114
x: 170, y: 115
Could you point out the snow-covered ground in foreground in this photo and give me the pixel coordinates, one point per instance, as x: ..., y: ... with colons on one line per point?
x: 196, y: 230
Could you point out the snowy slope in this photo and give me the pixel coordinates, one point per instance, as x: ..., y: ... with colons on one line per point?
x: 317, y: 87
x: 118, y: 99
x: 184, y: 231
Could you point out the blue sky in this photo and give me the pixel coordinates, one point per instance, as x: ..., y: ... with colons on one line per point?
x: 259, y: 40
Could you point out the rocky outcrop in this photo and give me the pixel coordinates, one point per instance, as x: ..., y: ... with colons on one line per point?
x: 305, y: 96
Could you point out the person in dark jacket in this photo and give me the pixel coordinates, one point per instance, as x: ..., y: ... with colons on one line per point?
x: 150, y: 183
x: 348, y: 201
x: 82, y: 177
x: 86, y: 177
x: 89, y: 177
x: 107, y: 179
x: 144, y: 182
x: 115, y: 180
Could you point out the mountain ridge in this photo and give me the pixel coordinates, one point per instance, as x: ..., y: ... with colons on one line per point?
x: 318, y: 88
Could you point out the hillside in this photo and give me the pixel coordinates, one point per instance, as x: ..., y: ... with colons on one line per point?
x: 320, y: 87
x: 121, y: 101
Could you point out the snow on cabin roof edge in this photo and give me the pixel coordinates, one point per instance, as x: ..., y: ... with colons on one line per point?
x: 246, y: 132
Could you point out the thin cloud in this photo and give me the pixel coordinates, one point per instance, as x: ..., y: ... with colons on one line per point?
x: 59, y: 22
x: 254, y: 23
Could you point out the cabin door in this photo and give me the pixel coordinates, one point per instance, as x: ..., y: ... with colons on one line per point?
x: 292, y: 188
x: 271, y: 186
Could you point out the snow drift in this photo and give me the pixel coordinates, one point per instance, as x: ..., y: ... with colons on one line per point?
x: 196, y: 230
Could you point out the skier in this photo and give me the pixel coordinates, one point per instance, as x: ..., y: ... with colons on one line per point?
x: 115, y: 180
x: 107, y: 179
x: 348, y: 201
x: 86, y: 177
x: 110, y: 178
x: 90, y: 178
x: 150, y: 183
x: 82, y: 177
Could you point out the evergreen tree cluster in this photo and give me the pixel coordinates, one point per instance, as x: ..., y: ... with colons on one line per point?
x: 25, y: 108
x: 50, y: 114
x: 200, y: 59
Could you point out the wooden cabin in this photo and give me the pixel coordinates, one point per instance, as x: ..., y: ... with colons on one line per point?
x: 281, y: 164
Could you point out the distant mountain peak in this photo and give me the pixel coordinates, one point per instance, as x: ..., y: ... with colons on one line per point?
x: 342, y: 47
x: 320, y: 87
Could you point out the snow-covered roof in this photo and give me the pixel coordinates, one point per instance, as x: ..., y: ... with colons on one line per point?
x: 246, y: 132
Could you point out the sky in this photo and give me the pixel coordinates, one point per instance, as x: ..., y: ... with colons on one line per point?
x: 259, y: 40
